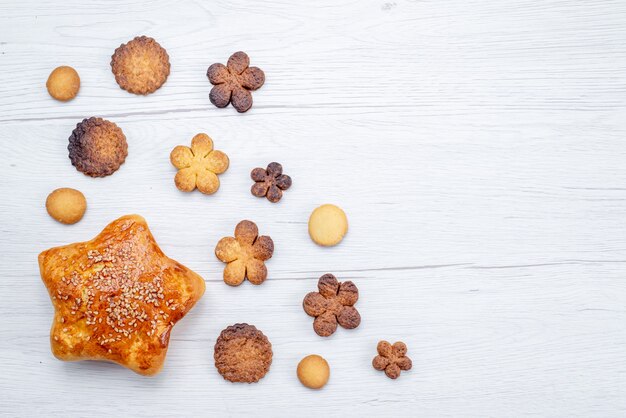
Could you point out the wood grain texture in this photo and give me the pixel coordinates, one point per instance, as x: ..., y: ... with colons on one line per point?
x: 477, y: 147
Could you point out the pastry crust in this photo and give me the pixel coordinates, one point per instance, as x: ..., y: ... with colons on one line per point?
x: 140, y: 66
x: 242, y: 354
x: 97, y: 147
x: 117, y: 297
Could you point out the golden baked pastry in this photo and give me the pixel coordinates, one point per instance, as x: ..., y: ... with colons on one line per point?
x: 245, y: 254
x: 199, y: 165
x: 63, y: 83
x: 313, y: 371
x: 117, y: 297
x: 140, y: 66
x: 66, y: 205
x: 327, y: 225
x: 97, y: 147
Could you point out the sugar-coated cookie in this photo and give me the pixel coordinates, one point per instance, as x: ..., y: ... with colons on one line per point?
x: 242, y: 354
x: 327, y: 225
x: 140, y: 66
x: 97, y: 147
x: 63, y: 83
x: 313, y: 371
x: 66, y: 205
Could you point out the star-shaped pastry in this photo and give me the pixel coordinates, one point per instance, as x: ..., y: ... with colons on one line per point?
x: 117, y: 297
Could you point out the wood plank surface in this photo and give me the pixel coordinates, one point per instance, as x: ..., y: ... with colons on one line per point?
x: 477, y: 147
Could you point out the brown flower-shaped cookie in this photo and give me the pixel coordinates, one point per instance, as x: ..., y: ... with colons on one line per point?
x: 234, y: 81
x: 270, y: 182
x: 140, y: 66
x: 332, y: 304
x: 245, y: 254
x: 392, y: 359
x: 97, y: 147
x: 199, y: 165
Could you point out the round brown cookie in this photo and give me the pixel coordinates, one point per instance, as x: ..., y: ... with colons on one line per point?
x: 63, y: 83
x: 140, y: 66
x: 242, y: 354
x: 66, y: 205
x: 97, y: 147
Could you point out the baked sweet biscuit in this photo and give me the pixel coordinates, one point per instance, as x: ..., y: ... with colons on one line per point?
x: 199, y: 165
x: 328, y: 225
x: 245, y: 254
x: 97, y: 147
x: 313, y: 371
x: 63, y: 83
x: 392, y: 359
x: 66, y: 205
x: 117, y: 297
x: 242, y: 354
x: 140, y: 66
x: 333, y: 304
x: 234, y: 81
x: 270, y: 182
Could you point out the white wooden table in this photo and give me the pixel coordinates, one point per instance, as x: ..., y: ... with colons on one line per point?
x: 477, y: 146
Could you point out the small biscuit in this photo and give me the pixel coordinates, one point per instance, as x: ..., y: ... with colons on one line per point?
x: 66, y: 205
x: 327, y: 225
x: 242, y: 354
x: 63, y: 83
x: 313, y: 371
x: 97, y: 147
x: 140, y: 66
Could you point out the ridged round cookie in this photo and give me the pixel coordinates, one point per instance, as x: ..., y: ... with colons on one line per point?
x: 140, y: 66
x: 97, y: 147
x: 242, y: 354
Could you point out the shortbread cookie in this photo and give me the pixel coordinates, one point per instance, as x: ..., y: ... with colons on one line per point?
x: 63, y: 83
x: 234, y: 81
x: 245, y: 254
x: 242, y: 354
x: 66, y: 205
x: 327, y: 225
x: 140, y: 66
x: 97, y: 147
x: 392, y: 359
x: 313, y: 371
x: 199, y: 165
